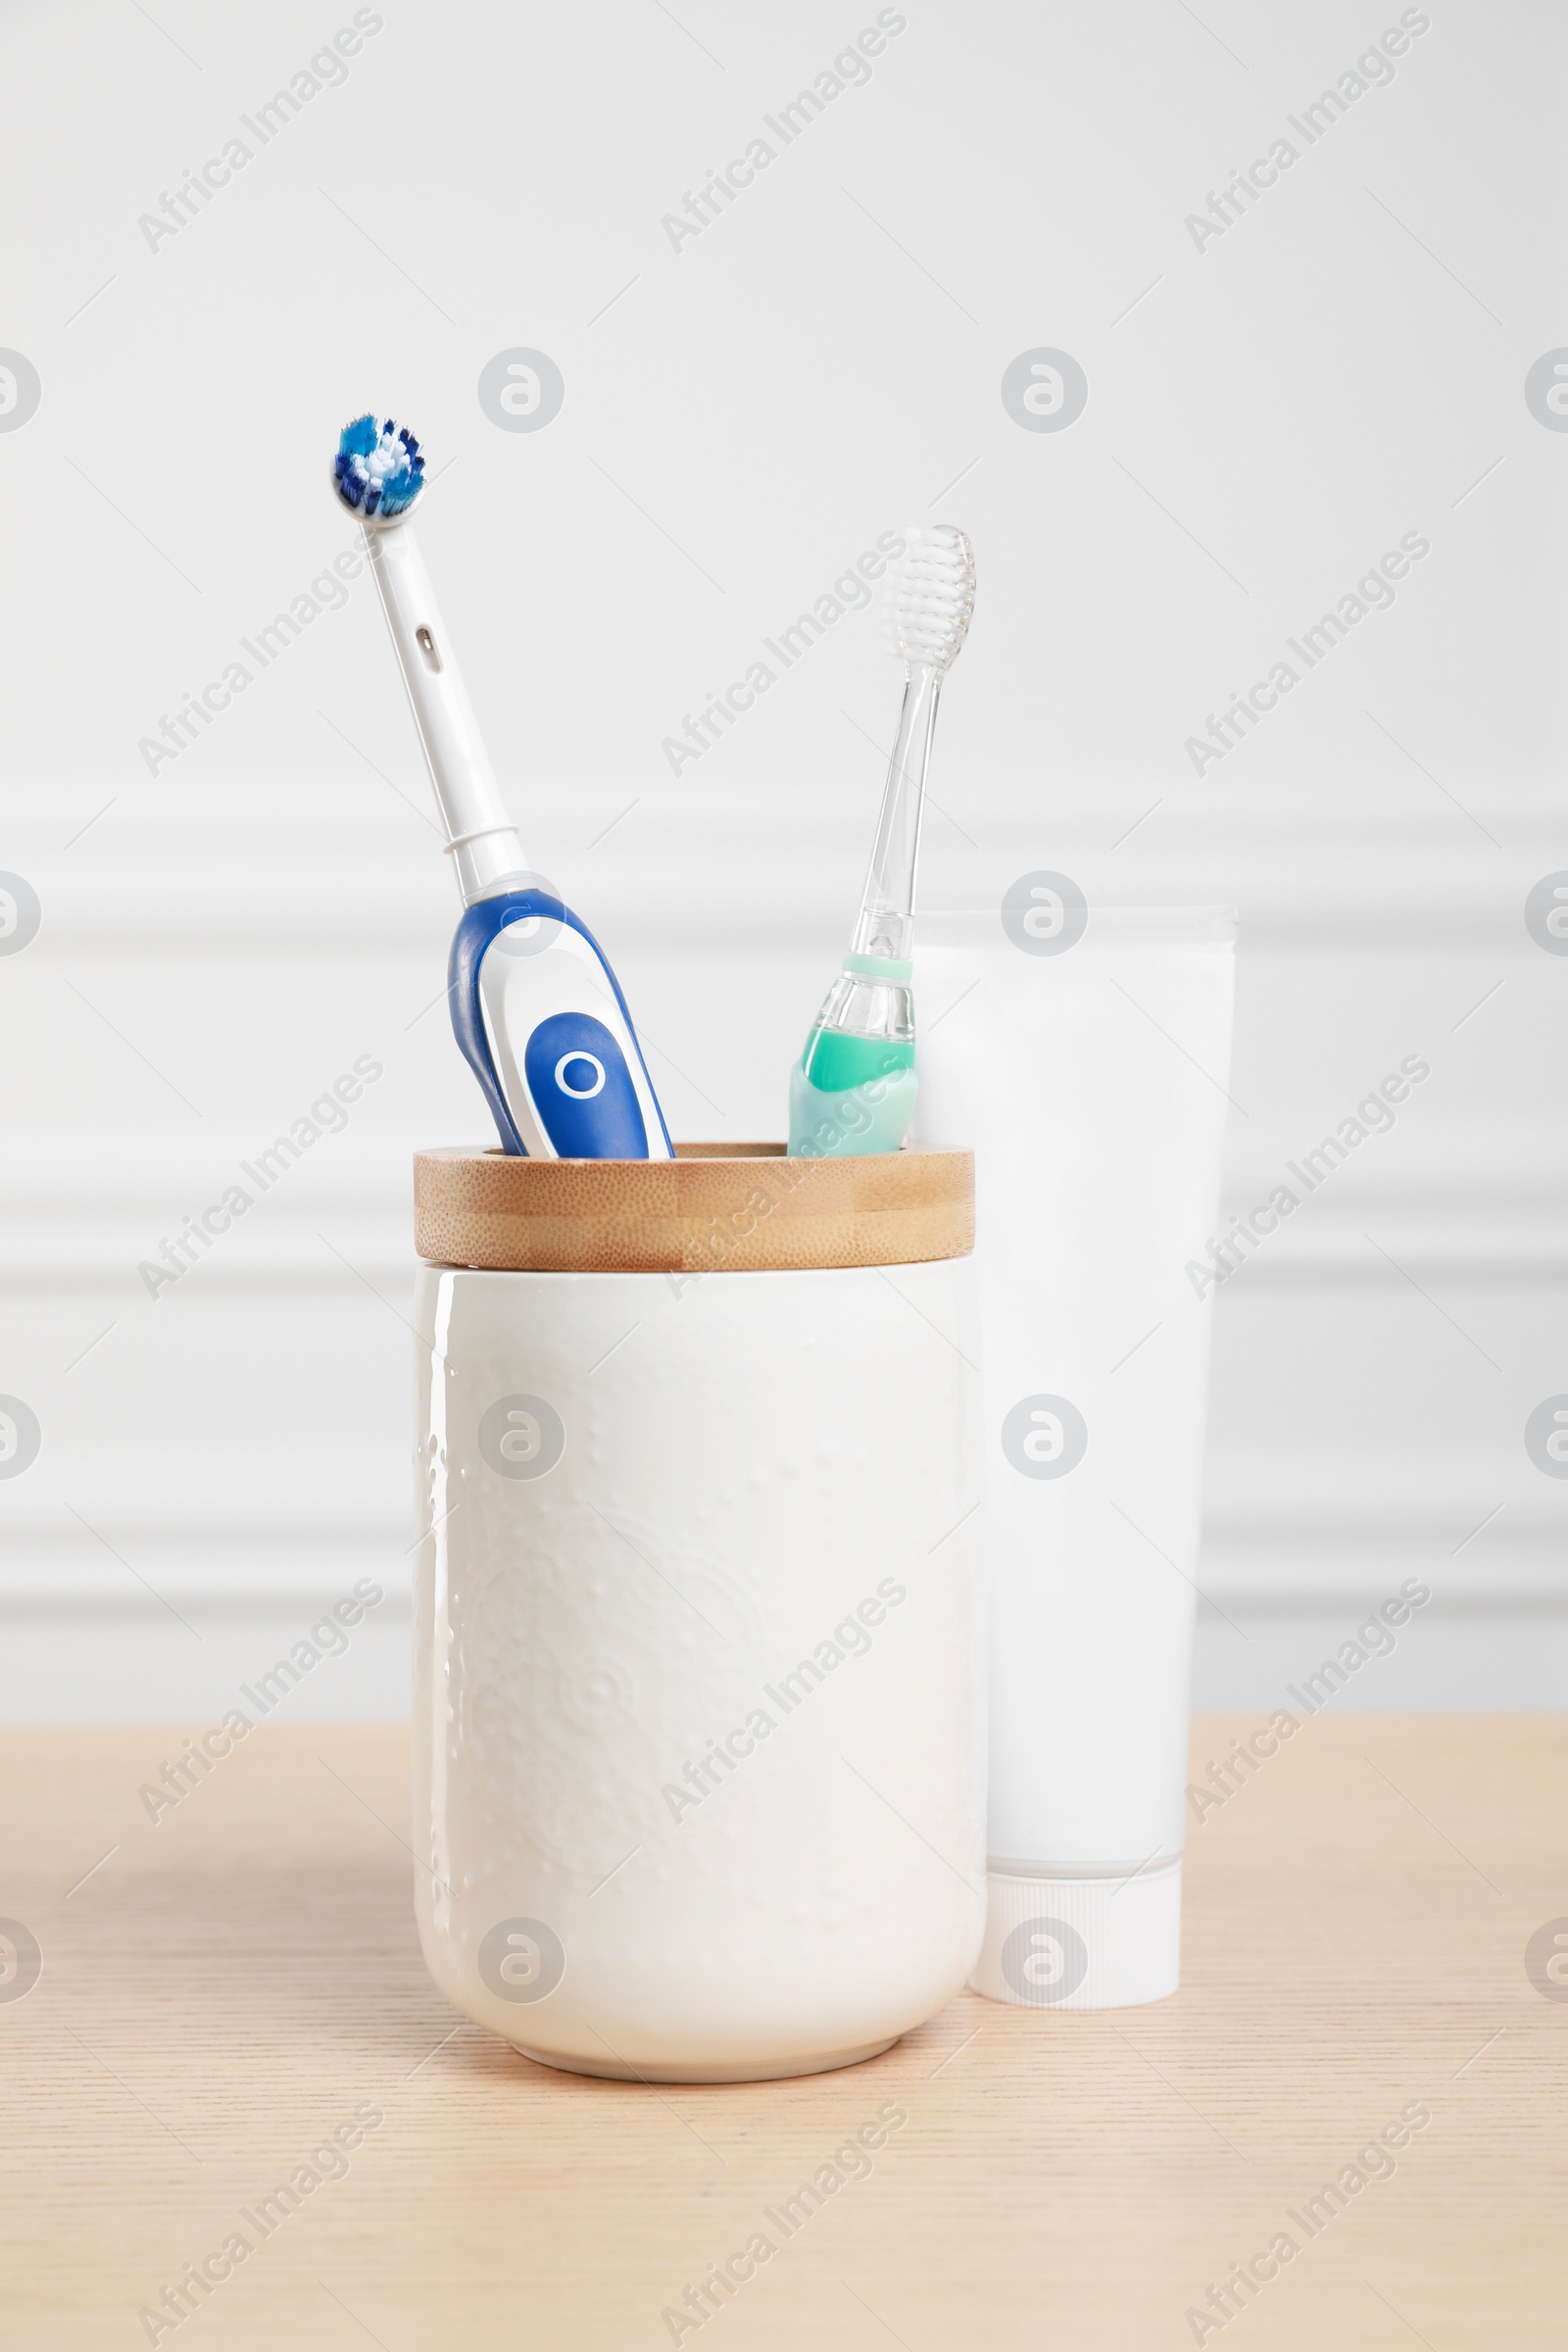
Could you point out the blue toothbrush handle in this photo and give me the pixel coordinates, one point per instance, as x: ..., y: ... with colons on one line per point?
x: 541, y: 1021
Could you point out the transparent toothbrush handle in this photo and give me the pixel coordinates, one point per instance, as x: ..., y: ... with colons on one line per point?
x: 884, y: 926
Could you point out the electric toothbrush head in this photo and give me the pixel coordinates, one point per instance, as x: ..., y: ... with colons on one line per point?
x: 378, y: 471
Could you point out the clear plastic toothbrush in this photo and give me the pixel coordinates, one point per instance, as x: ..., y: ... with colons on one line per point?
x: 852, y: 1090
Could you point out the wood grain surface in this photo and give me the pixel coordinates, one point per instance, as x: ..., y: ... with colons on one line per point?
x: 224, y: 1987
x: 715, y: 1208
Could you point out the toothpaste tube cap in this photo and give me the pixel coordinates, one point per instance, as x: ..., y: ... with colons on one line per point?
x: 1110, y: 1941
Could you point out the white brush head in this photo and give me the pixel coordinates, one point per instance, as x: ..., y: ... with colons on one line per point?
x: 930, y: 596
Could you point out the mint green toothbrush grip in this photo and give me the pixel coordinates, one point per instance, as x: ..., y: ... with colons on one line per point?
x: 850, y: 1121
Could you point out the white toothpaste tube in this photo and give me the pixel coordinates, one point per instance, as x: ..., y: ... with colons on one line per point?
x: 1085, y: 1056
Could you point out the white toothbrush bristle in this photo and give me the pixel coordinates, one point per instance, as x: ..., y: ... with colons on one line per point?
x: 930, y: 596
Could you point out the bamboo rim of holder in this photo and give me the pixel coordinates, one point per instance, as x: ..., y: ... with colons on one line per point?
x: 715, y: 1208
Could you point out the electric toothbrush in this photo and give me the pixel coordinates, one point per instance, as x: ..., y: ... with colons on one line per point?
x: 537, y: 1012
x: 852, y: 1090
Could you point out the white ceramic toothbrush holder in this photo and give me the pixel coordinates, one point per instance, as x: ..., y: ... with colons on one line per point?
x: 699, y: 1704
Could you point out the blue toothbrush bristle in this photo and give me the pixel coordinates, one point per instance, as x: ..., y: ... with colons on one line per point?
x: 379, y: 468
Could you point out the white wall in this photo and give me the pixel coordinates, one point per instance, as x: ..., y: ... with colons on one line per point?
x: 1266, y: 416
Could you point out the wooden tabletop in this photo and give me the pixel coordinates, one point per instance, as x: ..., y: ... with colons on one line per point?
x: 225, y: 1989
